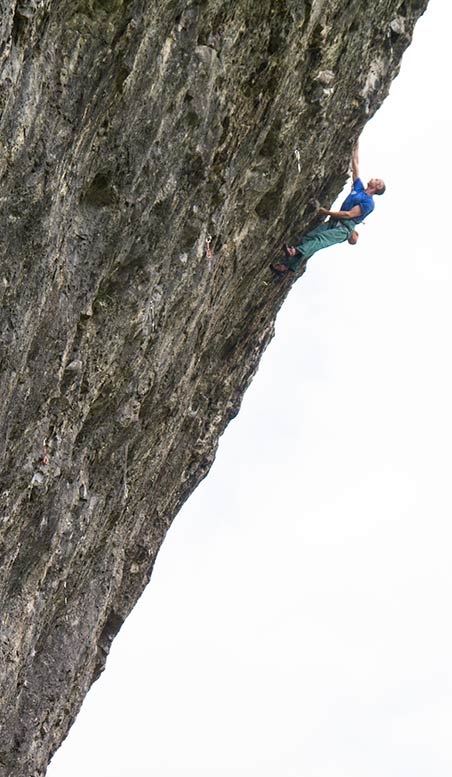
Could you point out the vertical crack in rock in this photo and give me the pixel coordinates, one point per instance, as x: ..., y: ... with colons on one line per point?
x: 130, y: 132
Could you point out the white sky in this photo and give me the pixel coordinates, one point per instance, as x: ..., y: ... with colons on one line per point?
x: 298, y: 619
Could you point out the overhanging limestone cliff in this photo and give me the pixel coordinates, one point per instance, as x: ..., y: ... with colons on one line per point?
x: 131, y: 131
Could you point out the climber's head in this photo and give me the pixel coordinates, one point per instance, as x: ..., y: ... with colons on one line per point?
x: 376, y: 186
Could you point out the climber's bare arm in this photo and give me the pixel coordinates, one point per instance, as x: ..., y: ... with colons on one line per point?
x: 353, y: 213
x: 355, y: 162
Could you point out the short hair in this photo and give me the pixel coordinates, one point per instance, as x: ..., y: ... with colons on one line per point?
x: 382, y: 189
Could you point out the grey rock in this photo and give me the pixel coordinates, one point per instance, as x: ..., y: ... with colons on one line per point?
x: 75, y: 366
x: 326, y: 77
x: 83, y: 492
x: 397, y: 25
x: 130, y: 132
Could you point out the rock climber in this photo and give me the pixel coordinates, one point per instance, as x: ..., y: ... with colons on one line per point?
x: 340, y: 225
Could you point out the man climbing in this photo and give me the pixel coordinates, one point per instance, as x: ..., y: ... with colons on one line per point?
x: 340, y: 225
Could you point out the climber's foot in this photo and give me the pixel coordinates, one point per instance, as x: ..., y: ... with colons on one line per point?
x: 289, y: 250
x: 280, y: 269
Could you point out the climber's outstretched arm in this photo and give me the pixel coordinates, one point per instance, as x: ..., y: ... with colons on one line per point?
x: 355, y: 162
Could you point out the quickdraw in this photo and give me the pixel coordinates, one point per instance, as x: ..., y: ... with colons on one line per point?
x: 45, y: 458
x: 208, y: 250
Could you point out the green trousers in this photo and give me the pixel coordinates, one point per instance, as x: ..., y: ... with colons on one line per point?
x: 327, y: 234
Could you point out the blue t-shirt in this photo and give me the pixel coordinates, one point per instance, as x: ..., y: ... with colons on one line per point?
x: 359, y: 197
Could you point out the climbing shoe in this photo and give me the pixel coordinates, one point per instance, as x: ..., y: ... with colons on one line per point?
x: 280, y: 269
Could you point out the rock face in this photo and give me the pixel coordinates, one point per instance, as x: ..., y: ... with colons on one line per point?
x: 131, y: 131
